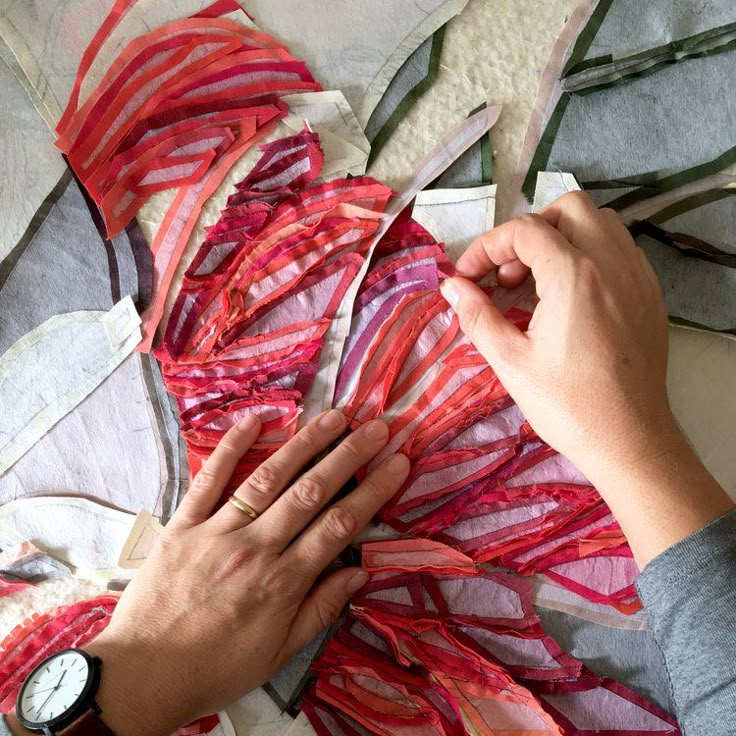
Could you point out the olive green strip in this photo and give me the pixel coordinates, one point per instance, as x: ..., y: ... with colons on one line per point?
x: 690, y: 45
x: 691, y: 203
x: 586, y: 36
x: 644, y: 70
x: 486, y: 154
x: 544, y: 149
x: 687, y: 323
x: 411, y: 97
x: 668, y: 183
x: 688, y: 245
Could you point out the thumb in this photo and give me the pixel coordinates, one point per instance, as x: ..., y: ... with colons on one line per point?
x: 323, y: 605
x: 495, y: 337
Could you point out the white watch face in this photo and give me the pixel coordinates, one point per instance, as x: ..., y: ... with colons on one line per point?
x: 54, y: 688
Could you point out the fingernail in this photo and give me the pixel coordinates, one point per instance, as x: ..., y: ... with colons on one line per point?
x: 398, y: 464
x: 247, y: 422
x: 450, y: 293
x: 356, y: 582
x: 332, y: 420
x: 376, y: 430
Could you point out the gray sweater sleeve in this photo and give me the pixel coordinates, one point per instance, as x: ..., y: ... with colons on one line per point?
x: 689, y: 593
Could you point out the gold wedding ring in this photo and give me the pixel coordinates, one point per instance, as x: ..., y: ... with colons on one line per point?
x: 241, y: 505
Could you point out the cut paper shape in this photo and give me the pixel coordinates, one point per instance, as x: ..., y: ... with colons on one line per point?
x: 456, y: 217
x: 256, y: 301
x: 431, y: 650
x: 62, y: 246
x: 140, y: 541
x: 131, y: 457
x: 629, y: 656
x: 41, y: 380
x: 28, y: 151
x: 352, y: 47
x: 448, y: 149
x: 481, y: 480
x: 99, y: 532
x: 341, y: 137
x: 415, y: 77
x: 69, y: 626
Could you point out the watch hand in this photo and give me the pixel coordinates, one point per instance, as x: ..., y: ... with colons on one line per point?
x: 45, y: 702
x: 53, y: 690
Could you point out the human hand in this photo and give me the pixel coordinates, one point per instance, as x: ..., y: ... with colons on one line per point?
x: 589, y: 374
x: 223, y: 602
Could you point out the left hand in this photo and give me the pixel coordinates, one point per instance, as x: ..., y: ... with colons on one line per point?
x: 223, y: 601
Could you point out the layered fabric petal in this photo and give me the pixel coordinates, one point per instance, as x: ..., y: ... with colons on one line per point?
x: 445, y: 650
x: 481, y: 480
x: 247, y: 328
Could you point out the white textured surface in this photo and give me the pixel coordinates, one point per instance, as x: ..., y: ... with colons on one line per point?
x: 493, y: 51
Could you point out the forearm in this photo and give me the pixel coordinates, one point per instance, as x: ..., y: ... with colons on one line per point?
x: 659, y: 491
x: 689, y: 593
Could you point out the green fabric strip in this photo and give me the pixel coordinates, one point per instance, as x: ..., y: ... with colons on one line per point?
x: 642, y: 69
x: 668, y: 183
x: 411, y: 97
x: 691, y: 203
x: 582, y: 44
x: 687, y: 323
x: 695, y: 44
x: 544, y: 149
x: 688, y: 245
x: 486, y: 154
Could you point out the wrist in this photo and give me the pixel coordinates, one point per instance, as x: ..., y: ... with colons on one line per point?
x: 660, y: 493
x: 134, y: 698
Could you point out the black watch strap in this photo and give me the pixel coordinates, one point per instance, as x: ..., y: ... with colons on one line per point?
x: 88, y: 724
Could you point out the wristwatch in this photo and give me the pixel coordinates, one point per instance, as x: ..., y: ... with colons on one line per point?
x: 58, y: 697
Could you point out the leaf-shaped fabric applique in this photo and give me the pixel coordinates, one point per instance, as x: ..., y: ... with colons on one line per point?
x: 247, y: 328
x: 175, y: 109
x: 481, y: 480
x: 427, y: 650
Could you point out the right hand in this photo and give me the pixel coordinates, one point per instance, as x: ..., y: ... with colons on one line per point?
x: 589, y: 374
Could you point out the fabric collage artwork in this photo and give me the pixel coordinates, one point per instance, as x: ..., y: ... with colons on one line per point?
x: 315, y: 286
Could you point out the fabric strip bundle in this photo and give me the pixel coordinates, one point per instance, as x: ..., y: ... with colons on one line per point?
x: 176, y: 108
x: 481, y: 479
x: 434, y: 644
x: 247, y: 329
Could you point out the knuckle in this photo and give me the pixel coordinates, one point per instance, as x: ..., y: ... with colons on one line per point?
x: 204, y: 480
x: 308, y: 492
x: 339, y: 524
x: 328, y: 612
x: 352, y: 452
x: 470, y: 318
x: 265, y: 481
x: 306, y: 439
x: 576, y: 199
x: 235, y: 559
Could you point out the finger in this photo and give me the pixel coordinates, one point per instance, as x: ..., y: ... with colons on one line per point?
x: 317, y: 487
x: 329, y: 534
x: 207, y: 486
x: 269, y: 480
x: 512, y: 274
x: 590, y: 230
x: 529, y: 239
x: 322, y: 607
x: 495, y: 337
